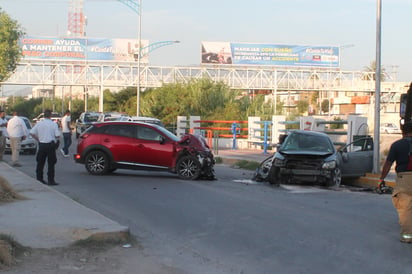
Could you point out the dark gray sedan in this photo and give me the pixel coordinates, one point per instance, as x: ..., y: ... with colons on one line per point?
x: 311, y: 157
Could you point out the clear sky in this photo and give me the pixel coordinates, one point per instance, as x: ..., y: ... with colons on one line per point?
x: 350, y: 24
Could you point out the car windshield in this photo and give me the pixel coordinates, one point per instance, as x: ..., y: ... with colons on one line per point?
x: 91, y: 117
x: 27, y: 122
x: 307, y: 142
x: 166, y: 132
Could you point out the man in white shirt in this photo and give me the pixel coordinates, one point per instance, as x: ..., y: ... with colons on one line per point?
x: 17, y: 131
x: 3, y: 133
x: 47, y: 133
x: 67, y: 134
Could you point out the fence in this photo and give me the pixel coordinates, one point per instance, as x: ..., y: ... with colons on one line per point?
x: 265, y: 134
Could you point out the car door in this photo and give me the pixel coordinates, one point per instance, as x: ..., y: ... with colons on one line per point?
x: 356, y: 158
x: 153, y: 148
x: 121, y: 141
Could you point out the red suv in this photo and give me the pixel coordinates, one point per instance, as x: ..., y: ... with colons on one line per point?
x: 107, y: 146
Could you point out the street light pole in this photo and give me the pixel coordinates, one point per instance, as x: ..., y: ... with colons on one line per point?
x: 136, y: 5
x: 139, y: 38
x: 376, y: 162
x: 143, y: 52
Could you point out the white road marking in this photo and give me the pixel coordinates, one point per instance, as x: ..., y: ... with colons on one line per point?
x: 248, y: 182
x: 303, y: 189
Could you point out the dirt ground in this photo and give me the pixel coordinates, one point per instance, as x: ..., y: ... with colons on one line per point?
x: 85, y: 260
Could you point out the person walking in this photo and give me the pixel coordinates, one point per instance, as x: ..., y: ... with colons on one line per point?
x: 401, y: 153
x: 47, y: 133
x: 67, y: 133
x: 3, y: 133
x: 17, y: 131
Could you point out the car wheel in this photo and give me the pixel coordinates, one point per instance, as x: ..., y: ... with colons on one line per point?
x: 273, y: 177
x: 33, y: 151
x: 336, y: 178
x: 97, y: 162
x: 188, y: 168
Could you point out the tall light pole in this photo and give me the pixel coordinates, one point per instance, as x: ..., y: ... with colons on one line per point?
x: 376, y: 162
x: 139, y: 38
x: 142, y: 52
x: 136, y: 5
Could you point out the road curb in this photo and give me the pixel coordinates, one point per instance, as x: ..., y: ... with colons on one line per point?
x: 372, y: 180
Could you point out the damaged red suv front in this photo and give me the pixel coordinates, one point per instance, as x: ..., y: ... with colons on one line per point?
x: 108, y: 146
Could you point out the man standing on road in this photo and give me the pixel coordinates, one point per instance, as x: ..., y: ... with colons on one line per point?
x: 399, y: 152
x: 17, y: 131
x: 3, y: 133
x: 47, y: 133
x: 67, y: 134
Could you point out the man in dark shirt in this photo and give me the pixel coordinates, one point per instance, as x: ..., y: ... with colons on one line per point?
x: 399, y: 152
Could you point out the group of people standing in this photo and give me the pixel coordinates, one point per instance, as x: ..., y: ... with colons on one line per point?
x: 47, y: 134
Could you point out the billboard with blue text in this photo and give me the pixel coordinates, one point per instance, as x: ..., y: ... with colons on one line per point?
x: 270, y: 54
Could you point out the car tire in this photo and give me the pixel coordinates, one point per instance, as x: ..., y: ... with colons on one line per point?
x: 273, y: 176
x: 33, y: 151
x: 113, y: 169
x: 336, y: 178
x: 188, y: 168
x: 97, y: 162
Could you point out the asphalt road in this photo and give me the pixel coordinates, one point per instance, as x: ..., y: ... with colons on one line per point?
x: 233, y: 225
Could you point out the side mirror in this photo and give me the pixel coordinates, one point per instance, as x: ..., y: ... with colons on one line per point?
x: 162, y: 140
x: 345, y: 157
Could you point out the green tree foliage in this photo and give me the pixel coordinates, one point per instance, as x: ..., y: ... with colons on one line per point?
x: 258, y: 107
x: 371, y: 69
x: 302, y: 107
x: 10, y: 32
x: 121, y: 100
x: 336, y: 126
x: 198, y: 97
x: 209, y: 100
x: 325, y: 106
x: 109, y: 100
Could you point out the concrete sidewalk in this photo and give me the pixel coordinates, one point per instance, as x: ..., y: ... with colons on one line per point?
x: 47, y: 218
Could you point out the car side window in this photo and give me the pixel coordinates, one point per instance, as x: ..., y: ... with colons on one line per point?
x: 147, y: 133
x: 121, y: 130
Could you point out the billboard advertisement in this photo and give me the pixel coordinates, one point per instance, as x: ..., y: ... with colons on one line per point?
x: 270, y: 54
x: 81, y: 49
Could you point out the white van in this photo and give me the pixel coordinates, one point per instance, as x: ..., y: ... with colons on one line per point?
x: 143, y: 119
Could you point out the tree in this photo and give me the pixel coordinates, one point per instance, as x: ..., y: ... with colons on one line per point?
x: 302, y: 106
x: 371, y: 71
x: 325, y: 106
x: 10, y: 53
x: 197, y: 97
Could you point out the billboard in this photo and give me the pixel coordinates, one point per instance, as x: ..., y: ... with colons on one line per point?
x: 81, y: 49
x: 270, y: 54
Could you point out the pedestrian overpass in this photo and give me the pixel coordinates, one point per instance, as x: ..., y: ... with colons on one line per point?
x: 112, y: 74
